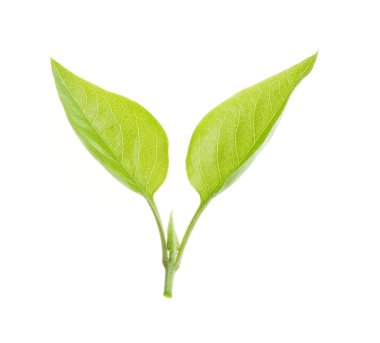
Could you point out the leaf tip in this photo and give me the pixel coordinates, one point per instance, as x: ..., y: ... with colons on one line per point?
x: 313, y: 57
x: 53, y: 62
x: 55, y: 66
x: 308, y: 63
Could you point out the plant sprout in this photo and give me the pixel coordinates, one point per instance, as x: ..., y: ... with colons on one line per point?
x: 132, y: 145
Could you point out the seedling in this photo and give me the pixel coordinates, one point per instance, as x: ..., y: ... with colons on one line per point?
x: 131, y: 144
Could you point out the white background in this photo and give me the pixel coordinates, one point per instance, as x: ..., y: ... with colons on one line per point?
x: 290, y: 253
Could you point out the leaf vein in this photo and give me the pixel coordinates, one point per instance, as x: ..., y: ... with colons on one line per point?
x: 200, y: 166
x: 237, y: 128
x: 119, y: 126
x: 155, y: 161
x: 217, y: 149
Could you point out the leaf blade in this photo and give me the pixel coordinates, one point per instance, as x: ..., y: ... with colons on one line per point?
x: 227, y: 138
x: 116, y: 130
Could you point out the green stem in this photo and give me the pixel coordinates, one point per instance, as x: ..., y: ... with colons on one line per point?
x: 161, y: 230
x: 188, y: 232
x: 169, y: 278
x: 172, y: 265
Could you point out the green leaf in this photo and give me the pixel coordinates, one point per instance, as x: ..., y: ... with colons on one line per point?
x: 122, y: 135
x: 173, y: 242
x: 225, y: 141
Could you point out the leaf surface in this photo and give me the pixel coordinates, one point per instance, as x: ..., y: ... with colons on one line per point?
x: 122, y: 135
x: 225, y: 141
